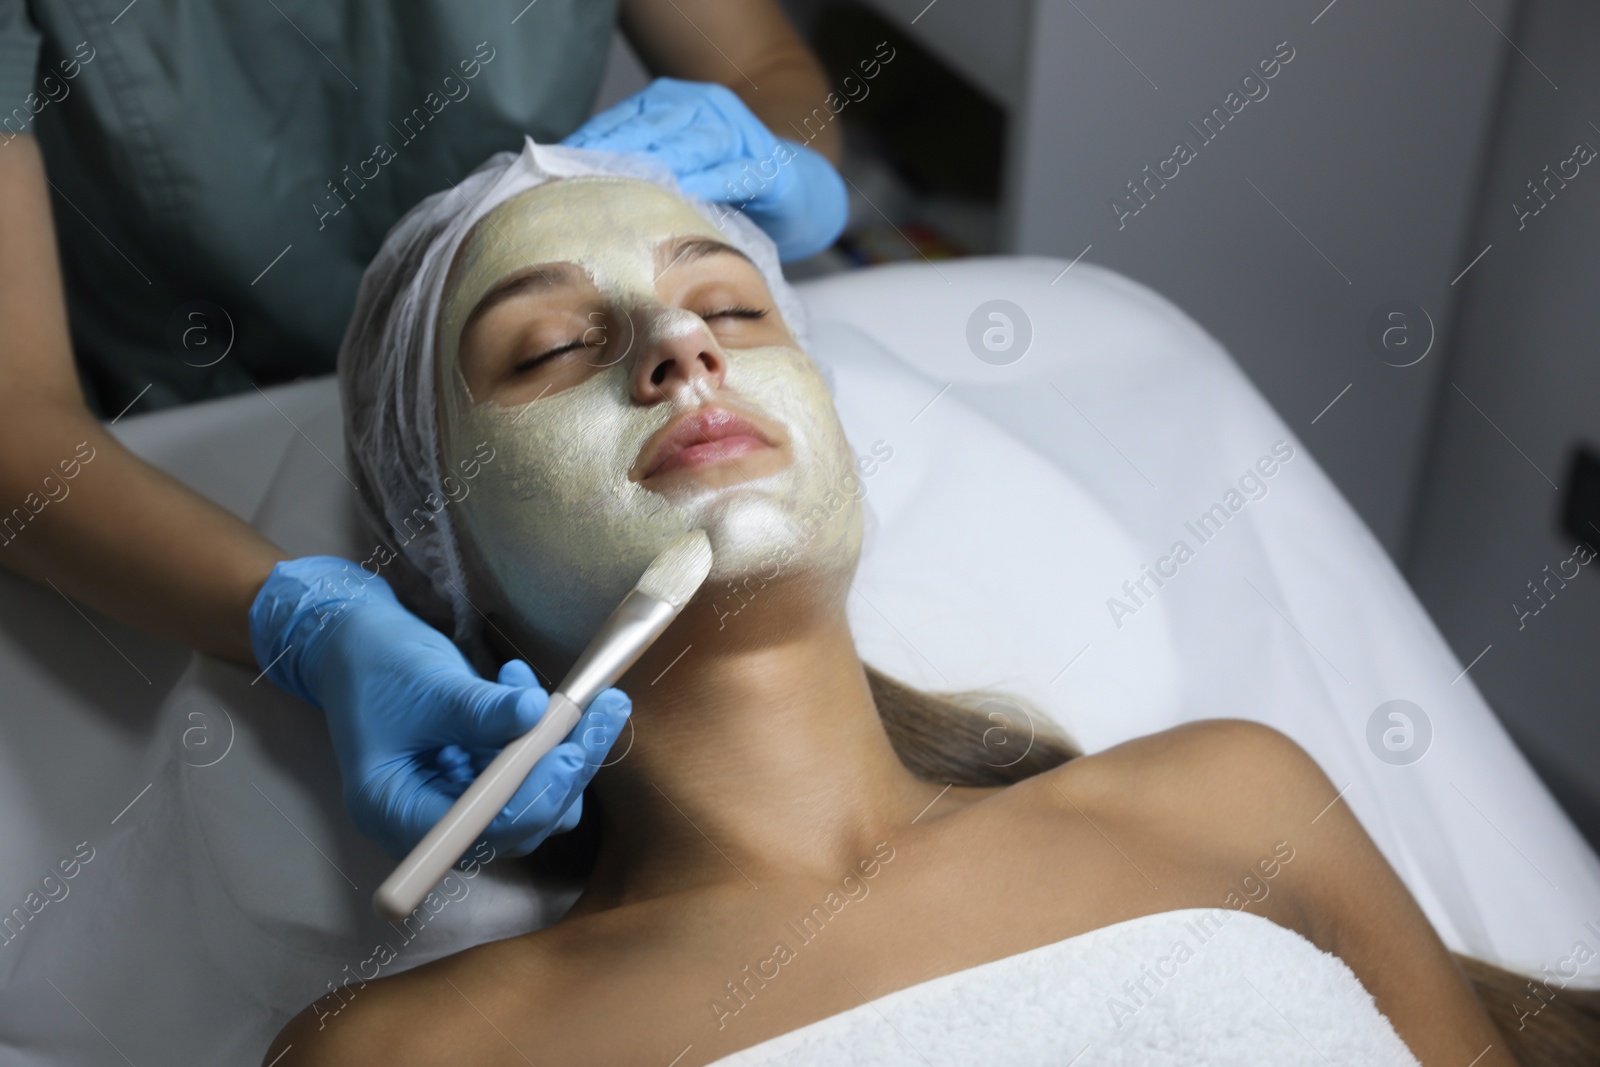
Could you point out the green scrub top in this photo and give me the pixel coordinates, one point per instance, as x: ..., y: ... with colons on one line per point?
x: 222, y: 172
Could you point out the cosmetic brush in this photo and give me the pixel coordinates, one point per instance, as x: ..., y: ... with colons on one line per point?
x: 661, y: 593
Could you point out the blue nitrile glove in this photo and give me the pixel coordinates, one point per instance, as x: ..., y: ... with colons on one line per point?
x: 411, y: 721
x: 721, y: 152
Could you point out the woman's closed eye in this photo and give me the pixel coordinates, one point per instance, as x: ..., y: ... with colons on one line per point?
x: 738, y: 311
x: 531, y: 362
x: 737, y: 322
x: 595, y: 336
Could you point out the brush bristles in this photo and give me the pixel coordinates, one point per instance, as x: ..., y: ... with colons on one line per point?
x: 679, y: 570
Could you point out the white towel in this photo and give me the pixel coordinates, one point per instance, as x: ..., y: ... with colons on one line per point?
x: 1196, y: 987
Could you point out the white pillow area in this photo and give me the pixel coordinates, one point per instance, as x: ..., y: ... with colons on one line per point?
x: 985, y: 565
x: 1008, y: 506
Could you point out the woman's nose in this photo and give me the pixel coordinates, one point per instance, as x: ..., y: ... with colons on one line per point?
x: 677, y: 352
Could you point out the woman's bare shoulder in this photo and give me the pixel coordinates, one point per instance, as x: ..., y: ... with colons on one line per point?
x: 378, y: 1021
x: 1256, y: 812
x: 1219, y: 757
x: 1226, y: 788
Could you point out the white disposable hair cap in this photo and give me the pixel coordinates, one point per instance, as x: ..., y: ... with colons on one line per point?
x: 386, y: 369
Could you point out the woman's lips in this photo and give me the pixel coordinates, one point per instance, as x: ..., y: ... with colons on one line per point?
x: 709, y: 452
x: 701, y: 438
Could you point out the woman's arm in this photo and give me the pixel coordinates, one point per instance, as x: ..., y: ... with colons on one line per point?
x: 118, y: 534
x: 747, y: 45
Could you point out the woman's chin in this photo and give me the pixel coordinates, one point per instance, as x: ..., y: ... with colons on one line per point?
x: 756, y: 536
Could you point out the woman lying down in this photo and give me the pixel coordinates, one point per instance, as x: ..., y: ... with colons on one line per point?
x: 799, y: 860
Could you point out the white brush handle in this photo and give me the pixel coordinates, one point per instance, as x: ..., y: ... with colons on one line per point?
x: 402, y: 892
x: 623, y: 637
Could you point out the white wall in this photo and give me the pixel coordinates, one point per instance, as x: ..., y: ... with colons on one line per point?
x: 1370, y: 142
x: 1526, y: 355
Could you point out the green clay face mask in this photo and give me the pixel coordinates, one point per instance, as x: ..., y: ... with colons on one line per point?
x: 555, y: 532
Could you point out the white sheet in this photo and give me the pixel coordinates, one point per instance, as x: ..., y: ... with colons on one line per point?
x: 1017, y: 500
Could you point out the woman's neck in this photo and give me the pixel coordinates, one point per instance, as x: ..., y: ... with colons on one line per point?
x: 757, y: 753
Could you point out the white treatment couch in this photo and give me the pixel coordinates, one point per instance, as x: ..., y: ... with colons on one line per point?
x: 226, y: 888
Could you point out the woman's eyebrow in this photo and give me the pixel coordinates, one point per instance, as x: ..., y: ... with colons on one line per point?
x: 547, y: 275
x: 689, y: 249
